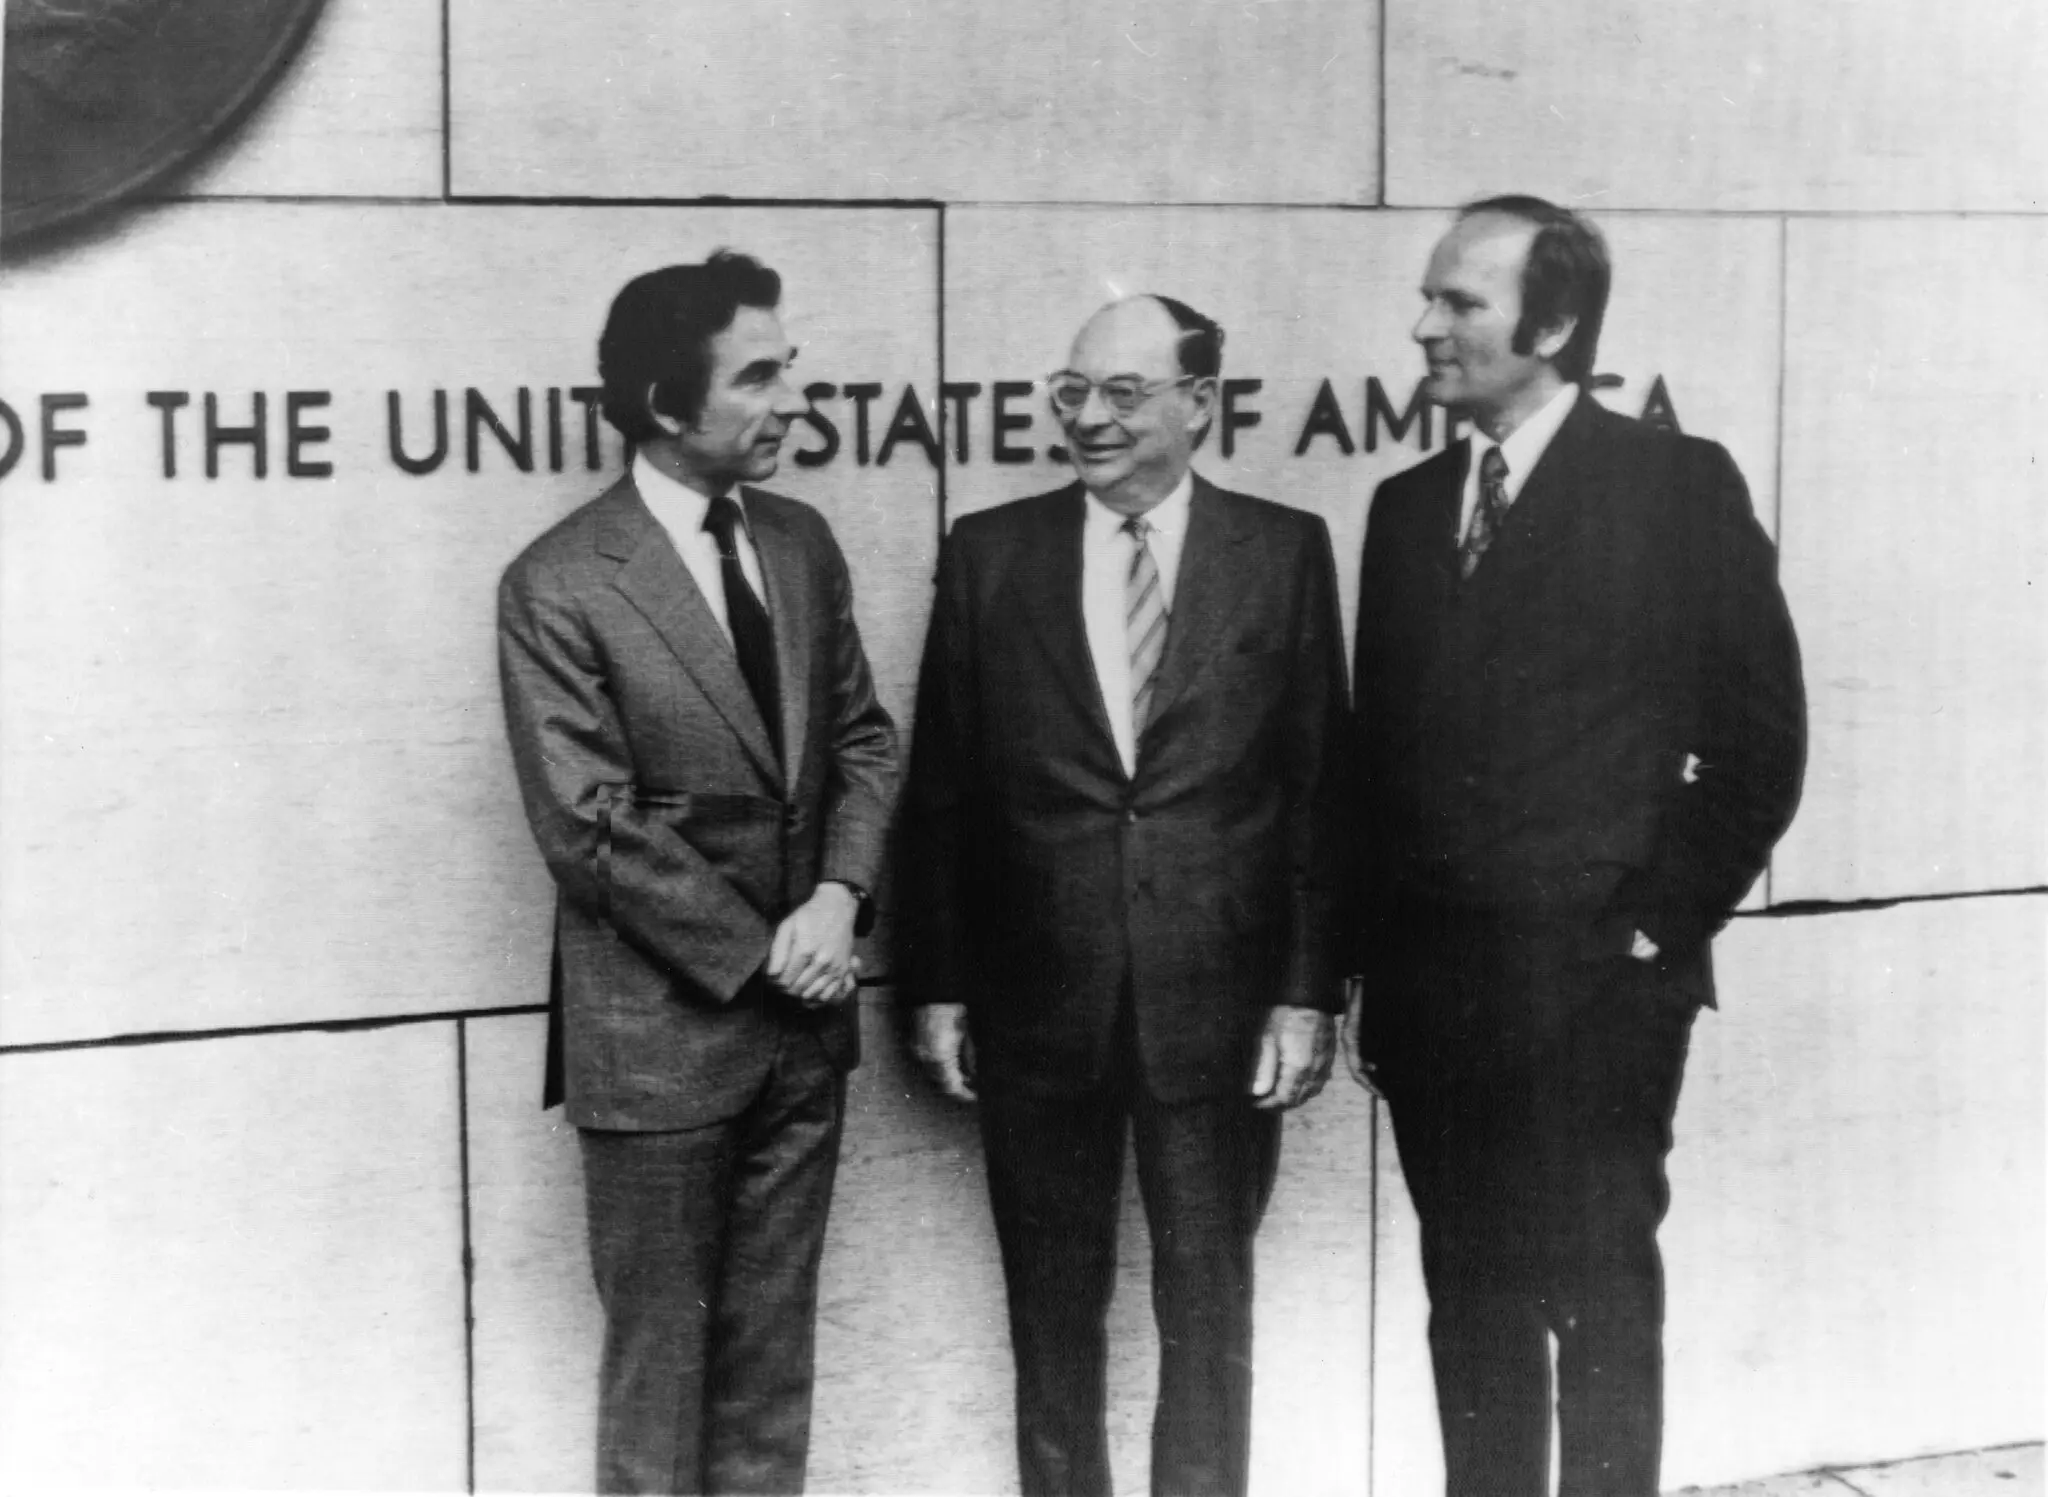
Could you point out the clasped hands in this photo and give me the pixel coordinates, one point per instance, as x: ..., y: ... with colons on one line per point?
x: 1295, y: 1052
x: 810, y: 957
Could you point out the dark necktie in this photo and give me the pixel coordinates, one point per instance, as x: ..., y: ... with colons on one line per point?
x: 753, y: 638
x: 1487, y: 516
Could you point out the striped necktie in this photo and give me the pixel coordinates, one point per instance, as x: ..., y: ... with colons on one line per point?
x: 1144, y: 620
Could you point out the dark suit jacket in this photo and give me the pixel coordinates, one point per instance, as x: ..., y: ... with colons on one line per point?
x: 1524, y: 735
x: 676, y: 839
x: 1041, y: 875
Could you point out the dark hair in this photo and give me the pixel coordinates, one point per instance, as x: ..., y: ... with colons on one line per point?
x: 659, y: 333
x: 1200, y: 346
x: 1567, y: 276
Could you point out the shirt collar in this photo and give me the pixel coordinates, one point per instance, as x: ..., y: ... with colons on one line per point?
x: 1169, y: 516
x: 679, y: 506
x: 1525, y: 445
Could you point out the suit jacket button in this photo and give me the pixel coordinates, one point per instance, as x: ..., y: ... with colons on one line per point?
x: 1130, y: 818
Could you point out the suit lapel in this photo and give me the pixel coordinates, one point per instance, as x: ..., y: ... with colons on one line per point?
x: 1447, y: 507
x: 1048, y: 583
x: 1542, y: 514
x: 789, y: 609
x: 655, y: 581
x: 1207, y: 595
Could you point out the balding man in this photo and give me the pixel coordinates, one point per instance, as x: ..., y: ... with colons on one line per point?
x: 1122, y: 820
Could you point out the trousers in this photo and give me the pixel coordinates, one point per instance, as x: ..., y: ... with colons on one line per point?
x: 705, y: 1245
x: 1532, y: 1079
x: 1205, y: 1172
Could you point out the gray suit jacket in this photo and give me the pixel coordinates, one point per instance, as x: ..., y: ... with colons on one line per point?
x: 676, y: 839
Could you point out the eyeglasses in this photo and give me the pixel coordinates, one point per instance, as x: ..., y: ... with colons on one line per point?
x: 1122, y: 393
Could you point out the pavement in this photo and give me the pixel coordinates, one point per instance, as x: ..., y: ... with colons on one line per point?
x: 2005, y: 1471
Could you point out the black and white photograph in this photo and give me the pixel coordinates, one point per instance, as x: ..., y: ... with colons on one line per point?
x: 1239, y: 748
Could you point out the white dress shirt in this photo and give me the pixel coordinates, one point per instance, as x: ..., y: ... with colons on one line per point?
x: 1520, y: 451
x: 1106, y: 552
x: 680, y: 511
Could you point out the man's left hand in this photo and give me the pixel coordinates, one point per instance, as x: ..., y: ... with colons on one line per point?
x: 1294, y: 1057
x: 811, y: 956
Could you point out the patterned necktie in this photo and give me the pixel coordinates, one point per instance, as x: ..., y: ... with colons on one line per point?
x: 1144, y: 620
x: 753, y: 638
x: 1487, y: 516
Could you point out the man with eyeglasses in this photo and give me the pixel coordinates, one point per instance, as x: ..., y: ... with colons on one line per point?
x: 1123, y: 819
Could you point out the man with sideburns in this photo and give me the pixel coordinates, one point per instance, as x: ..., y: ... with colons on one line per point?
x: 1122, y: 823
x: 709, y: 776
x: 1581, y: 730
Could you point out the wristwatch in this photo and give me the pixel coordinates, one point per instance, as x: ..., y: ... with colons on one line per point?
x: 864, y: 912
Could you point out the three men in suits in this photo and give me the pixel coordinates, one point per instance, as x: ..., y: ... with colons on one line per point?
x: 1123, y: 816
x: 708, y: 775
x: 1582, y: 728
